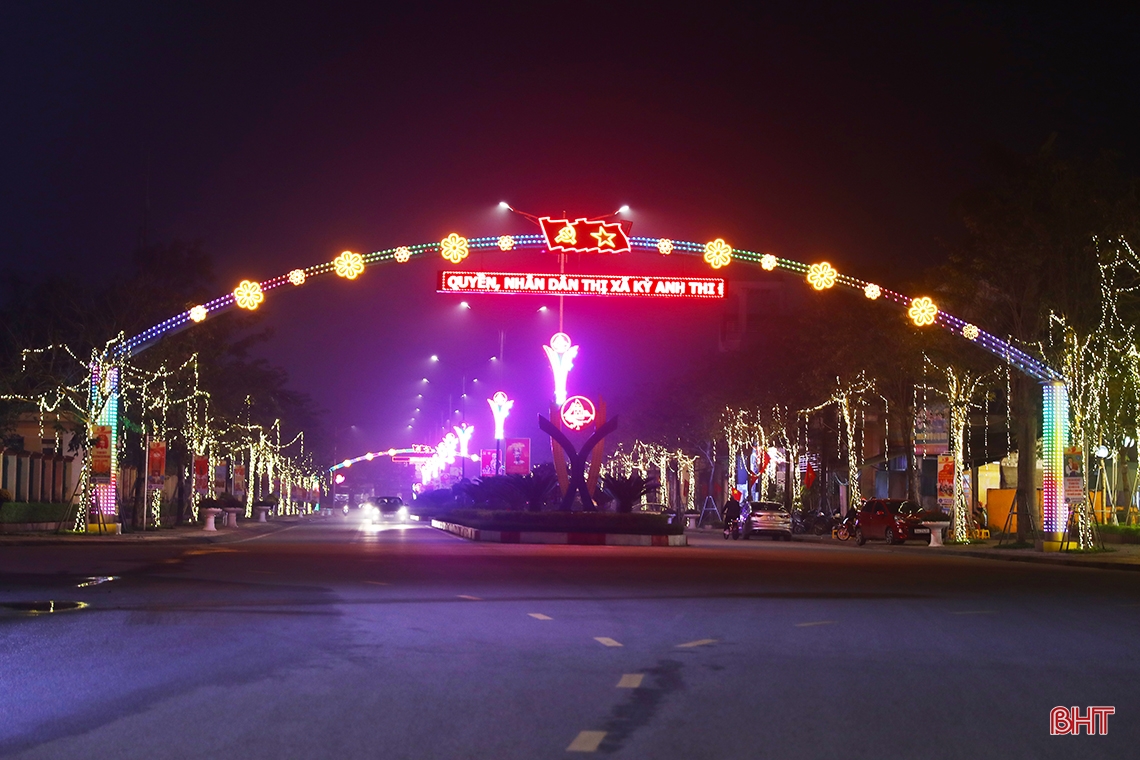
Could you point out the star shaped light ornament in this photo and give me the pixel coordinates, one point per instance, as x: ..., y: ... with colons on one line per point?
x: 402, y: 254
x: 198, y: 313
x: 297, y: 277
x: 453, y: 248
x: 718, y: 254
x: 349, y: 265
x: 561, y: 355
x: 768, y: 262
x: 248, y: 295
x: 604, y: 238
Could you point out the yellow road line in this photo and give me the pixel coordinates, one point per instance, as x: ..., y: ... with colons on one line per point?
x: 586, y: 741
x: 606, y: 641
x: 630, y: 681
x: 470, y: 598
x: 539, y: 616
x: 697, y: 643
x: 815, y: 622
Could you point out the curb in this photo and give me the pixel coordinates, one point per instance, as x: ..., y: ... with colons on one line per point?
x: 224, y: 536
x: 1045, y: 559
x: 547, y: 537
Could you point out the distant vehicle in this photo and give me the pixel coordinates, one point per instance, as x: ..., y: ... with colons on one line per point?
x: 892, y: 520
x: 389, y: 509
x: 767, y: 518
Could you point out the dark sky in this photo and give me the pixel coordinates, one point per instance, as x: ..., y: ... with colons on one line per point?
x: 280, y: 136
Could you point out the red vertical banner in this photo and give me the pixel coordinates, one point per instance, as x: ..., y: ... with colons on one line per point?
x: 516, y: 455
x: 101, y: 453
x: 487, y: 462
x: 156, y: 465
x: 201, y: 476
x: 239, y: 481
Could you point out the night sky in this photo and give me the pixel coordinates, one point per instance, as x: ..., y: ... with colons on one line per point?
x: 279, y: 137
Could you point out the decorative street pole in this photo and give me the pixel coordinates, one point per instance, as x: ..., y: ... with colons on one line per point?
x: 500, y: 408
x: 561, y: 354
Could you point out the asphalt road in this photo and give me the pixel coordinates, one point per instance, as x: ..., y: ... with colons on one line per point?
x: 332, y: 640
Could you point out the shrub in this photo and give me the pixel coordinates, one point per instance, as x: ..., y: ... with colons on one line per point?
x: 627, y: 490
x: 5, y: 496
x: 32, y: 512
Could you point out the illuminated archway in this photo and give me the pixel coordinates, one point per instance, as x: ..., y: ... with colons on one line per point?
x: 573, y: 235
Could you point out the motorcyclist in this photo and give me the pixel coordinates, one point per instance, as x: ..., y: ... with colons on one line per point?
x: 732, y: 509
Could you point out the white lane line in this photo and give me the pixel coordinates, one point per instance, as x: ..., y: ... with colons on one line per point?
x: 539, y: 616
x: 697, y: 643
x: 470, y: 598
x: 630, y: 681
x: 606, y: 641
x: 973, y: 612
x: 814, y: 623
x: 379, y: 583
x: 586, y: 741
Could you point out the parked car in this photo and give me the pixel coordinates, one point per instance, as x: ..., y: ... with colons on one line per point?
x: 890, y: 520
x: 767, y: 518
x: 389, y: 509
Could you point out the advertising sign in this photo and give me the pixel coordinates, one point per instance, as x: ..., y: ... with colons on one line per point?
x: 156, y: 465
x: 101, y: 453
x: 946, y: 476
x: 516, y: 456
x: 932, y: 431
x: 201, y: 476
x: 1074, y: 476
x: 221, y: 477
x: 487, y: 462
x: 553, y: 284
x: 239, y: 481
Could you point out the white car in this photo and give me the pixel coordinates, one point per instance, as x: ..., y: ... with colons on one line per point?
x: 389, y: 509
x: 767, y: 518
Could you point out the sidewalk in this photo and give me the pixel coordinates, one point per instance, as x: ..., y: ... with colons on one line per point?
x: 1118, y: 556
x: 181, y: 535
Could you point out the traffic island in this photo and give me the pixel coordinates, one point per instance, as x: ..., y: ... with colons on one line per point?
x: 577, y: 528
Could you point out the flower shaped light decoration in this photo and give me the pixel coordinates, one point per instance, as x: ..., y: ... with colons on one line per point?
x: 506, y: 242
x: 349, y: 265
x: 248, y: 295
x: 971, y: 332
x: 768, y: 262
x: 872, y: 291
x: 402, y: 254
x: 821, y: 276
x: 664, y: 246
x: 718, y: 254
x: 198, y: 313
x: 453, y: 248
x: 922, y: 311
x: 297, y: 277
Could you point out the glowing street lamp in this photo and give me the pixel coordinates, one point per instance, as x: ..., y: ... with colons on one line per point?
x: 463, y: 432
x: 561, y: 355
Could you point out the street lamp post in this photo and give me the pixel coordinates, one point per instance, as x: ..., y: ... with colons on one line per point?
x: 500, y: 408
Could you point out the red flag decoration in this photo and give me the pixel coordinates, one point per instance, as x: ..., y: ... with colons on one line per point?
x: 765, y: 460
x: 809, y: 476
x: 584, y: 236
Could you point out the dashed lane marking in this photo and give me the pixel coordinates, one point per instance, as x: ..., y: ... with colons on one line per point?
x: 539, y: 616
x: 470, y: 598
x: 973, y: 612
x: 697, y: 643
x: 608, y: 642
x: 814, y: 623
x: 630, y: 681
x: 586, y: 741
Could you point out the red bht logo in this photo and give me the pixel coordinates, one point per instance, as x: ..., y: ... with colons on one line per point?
x: 1065, y: 721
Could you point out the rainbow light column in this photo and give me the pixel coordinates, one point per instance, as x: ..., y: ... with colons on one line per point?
x: 105, y: 399
x: 1055, y: 436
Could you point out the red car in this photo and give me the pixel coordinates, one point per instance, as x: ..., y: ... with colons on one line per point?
x: 890, y: 520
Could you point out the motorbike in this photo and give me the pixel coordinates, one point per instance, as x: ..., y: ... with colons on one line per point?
x: 845, y: 528
x: 732, y: 528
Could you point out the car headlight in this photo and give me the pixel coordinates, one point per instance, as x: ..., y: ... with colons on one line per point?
x: 402, y: 512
